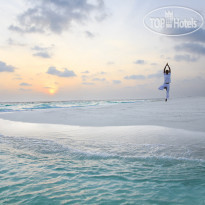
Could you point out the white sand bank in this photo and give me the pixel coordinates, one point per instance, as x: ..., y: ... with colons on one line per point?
x: 184, y: 113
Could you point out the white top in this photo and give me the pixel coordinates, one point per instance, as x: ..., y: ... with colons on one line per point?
x: 167, y: 78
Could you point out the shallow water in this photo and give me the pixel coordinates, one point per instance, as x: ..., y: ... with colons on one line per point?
x: 58, y: 164
x: 29, y: 106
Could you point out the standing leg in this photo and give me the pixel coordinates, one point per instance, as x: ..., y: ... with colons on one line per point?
x: 167, y: 94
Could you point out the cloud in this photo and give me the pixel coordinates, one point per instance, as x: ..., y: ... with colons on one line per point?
x: 25, y: 84
x: 186, y: 58
x: 66, y: 73
x: 165, y: 57
x: 84, y: 77
x: 116, y: 81
x: 141, y: 62
x: 17, y: 78
x: 93, y: 77
x: 57, y: 15
x: 48, y: 87
x: 99, y: 79
x: 42, y: 52
x: 158, y: 74
x: 85, y: 72
x: 26, y: 90
x: 198, y: 36
x: 190, y: 86
x: 134, y: 77
x: 193, y: 43
x: 89, y: 34
x: 88, y: 83
x: 110, y: 62
x: 12, y: 42
x: 192, y: 48
x: 6, y: 68
x: 154, y: 64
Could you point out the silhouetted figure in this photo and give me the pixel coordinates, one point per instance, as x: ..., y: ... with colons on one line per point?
x: 167, y: 80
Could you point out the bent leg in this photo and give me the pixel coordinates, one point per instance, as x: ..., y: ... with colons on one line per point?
x: 161, y: 87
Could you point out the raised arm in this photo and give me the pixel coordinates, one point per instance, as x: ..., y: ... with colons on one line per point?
x: 169, y: 68
x: 167, y: 65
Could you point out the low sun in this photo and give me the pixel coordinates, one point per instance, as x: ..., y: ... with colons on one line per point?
x: 52, y: 91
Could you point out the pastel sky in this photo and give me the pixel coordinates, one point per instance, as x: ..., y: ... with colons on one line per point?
x: 94, y: 49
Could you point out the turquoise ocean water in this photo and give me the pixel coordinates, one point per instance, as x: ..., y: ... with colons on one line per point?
x: 59, y: 164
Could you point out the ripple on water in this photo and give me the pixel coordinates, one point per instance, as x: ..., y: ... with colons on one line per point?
x: 43, y: 171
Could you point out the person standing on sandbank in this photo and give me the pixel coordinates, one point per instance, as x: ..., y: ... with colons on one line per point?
x: 167, y: 80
